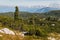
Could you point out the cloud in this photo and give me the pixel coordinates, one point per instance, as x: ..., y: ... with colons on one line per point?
x: 28, y: 3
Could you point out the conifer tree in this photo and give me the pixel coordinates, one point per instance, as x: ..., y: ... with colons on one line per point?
x: 16, y: 13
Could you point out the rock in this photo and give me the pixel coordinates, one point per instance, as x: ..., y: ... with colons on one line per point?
x: 52, y: 24
x: 7, y: 31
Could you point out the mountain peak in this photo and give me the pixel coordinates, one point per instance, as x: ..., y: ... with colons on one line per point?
x: 46, y: 9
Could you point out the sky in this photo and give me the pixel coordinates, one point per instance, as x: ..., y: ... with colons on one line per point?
x: 29, y: 3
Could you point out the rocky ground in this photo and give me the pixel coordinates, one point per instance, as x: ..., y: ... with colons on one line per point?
x: 7, y: 34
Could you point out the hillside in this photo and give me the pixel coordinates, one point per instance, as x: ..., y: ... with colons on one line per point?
x: 28, y: 14
x: 54, y: 13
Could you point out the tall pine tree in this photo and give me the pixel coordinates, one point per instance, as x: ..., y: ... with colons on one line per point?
x: 16, y: 13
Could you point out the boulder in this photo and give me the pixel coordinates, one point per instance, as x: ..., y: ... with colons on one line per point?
x: 7, y: 31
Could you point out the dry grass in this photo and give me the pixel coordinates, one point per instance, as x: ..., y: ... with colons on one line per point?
x: 17, y: 37
x: 10, y: 37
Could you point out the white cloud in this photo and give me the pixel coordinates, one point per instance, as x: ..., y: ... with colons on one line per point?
x: 29, y: 3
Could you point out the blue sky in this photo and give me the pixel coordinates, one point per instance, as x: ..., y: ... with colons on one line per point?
x: 28, y: 3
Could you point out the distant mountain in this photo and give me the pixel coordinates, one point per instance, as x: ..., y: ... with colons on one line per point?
x: 27, y: 9
x: 46, y: 9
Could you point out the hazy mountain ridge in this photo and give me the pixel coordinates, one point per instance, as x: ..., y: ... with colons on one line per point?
x: 46, y: 9
x: 28, y: 9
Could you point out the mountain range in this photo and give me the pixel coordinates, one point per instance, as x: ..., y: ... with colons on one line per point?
x: 27, y: 9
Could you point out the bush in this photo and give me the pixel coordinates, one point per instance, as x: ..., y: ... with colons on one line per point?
x: 40, y: 33
x: 31, y: 32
